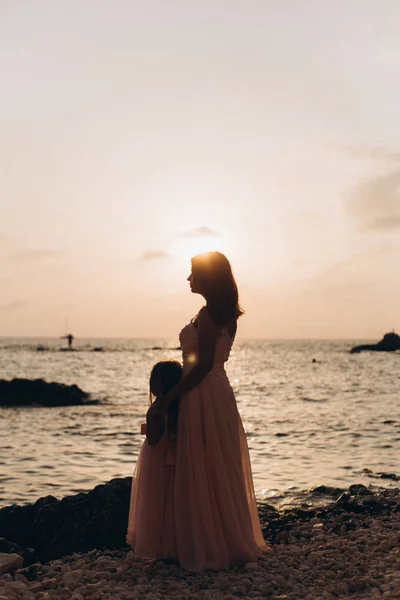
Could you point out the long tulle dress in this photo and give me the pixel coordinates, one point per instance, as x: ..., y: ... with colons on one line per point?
x: 216, y: 517
x: 151, y: 524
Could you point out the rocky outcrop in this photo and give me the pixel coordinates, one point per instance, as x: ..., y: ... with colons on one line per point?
x: 389, y: 343
x: 26, y: 392
x: 53, y: 528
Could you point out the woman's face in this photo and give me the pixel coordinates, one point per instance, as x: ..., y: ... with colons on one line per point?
x: 193, y: 287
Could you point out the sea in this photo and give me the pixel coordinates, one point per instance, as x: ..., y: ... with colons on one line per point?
x: 314, y: 414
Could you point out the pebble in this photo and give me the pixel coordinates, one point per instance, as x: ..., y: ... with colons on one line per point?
x: 10, y: 562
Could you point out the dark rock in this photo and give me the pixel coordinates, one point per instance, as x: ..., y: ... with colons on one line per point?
x: 33, y: 571
x: 358, y: 489
x: 375, y: 504
x: 344, y: 500
x: 28, y: 554
x: 26, y: 392
x: 381, y: 475
x: 392, y: 476
x: 346, y: 510
x: 389, y: 343
x: 326, y: 490
x: 55, y: 528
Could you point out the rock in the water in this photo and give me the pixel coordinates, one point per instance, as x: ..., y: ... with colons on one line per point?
x: 25, y: 392
x: 327, y: 490
x: 389, y: 343
x: 10, y: 562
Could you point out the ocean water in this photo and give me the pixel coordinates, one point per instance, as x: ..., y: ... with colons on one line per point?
x: 308, y: 423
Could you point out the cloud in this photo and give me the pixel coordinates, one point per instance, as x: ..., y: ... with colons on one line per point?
x: 375, y: 203
x: 154, y: 254
x: 14, y: 304
x: 369, y: 152
x: 33, y: 254
x: 203, y: 231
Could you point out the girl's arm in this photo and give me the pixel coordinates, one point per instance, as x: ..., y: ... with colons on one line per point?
x: 208, y: 334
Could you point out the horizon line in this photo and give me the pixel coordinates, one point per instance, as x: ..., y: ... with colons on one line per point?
x: 272, y: 339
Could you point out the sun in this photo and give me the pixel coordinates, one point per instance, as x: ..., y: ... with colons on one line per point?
x: 189, y: 246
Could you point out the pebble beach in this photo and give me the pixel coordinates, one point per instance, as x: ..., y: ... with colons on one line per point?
x: 348, y: 548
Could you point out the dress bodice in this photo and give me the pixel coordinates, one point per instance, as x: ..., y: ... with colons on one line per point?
x: 188, y: 338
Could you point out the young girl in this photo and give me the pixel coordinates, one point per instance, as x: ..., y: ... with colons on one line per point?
x: 151, y: 523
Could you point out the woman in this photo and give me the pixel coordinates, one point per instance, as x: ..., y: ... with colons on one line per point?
x: 216, y: 518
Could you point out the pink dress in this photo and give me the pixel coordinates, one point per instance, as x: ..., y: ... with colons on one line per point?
x: 151, y: 524
x: 216, y: 517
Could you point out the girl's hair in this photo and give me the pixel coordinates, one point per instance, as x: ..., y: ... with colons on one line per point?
x: 212, y: 273
x: 164, y: 375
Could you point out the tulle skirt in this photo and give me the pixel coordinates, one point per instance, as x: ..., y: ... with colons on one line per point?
x: 217, y: 520
x: 151, y: 524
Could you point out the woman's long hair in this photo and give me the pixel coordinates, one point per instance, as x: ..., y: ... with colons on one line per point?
x: 212, y: 273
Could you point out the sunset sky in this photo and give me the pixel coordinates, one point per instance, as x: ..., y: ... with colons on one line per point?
x: 134, y: 134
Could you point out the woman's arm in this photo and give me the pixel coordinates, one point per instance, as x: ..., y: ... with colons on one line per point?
x: 208, y: 334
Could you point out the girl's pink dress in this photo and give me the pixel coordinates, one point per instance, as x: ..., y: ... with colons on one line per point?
x: 204, y: 510
x: 151, y: 524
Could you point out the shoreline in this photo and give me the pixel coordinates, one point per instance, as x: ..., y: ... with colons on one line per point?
x: 347, y: 547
